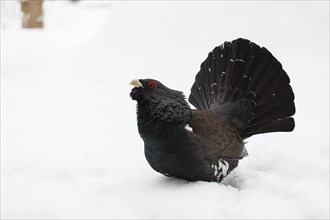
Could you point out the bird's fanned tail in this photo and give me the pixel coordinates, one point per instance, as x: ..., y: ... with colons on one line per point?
x: 247, y: 85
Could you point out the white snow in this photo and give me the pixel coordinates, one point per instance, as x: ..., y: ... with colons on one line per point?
x: 69, y: 141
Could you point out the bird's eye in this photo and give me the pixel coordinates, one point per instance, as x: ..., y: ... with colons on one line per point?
x: 152, y: 84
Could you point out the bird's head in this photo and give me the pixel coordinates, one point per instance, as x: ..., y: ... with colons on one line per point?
x: 157, y: 102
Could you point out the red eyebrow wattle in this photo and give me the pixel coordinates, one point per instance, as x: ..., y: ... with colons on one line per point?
x: 152, y: 83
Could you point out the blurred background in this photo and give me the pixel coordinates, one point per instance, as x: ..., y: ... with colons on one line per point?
x: 69, y: 141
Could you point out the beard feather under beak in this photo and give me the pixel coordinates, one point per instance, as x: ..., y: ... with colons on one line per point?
x: 136, y: 83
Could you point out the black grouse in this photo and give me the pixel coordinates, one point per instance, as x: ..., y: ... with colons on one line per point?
x: 241, y: 90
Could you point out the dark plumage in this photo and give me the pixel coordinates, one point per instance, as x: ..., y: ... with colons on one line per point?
x: 241, y: 90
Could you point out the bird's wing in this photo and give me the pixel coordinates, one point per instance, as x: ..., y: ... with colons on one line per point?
x: 220, y: 139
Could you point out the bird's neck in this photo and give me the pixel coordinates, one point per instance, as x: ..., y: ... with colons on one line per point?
x: 162, y: 121
x: 159, y: 130
x: 163, y: 110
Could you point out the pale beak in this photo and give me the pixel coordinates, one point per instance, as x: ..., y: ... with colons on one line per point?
x: 136, y: 83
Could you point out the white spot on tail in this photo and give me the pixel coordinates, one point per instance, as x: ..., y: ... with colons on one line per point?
x: 240, y: 60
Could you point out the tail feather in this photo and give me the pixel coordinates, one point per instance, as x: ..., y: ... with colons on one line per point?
x: 278, y: 102
x: 269, y: 115
x: 247, y: 85
x: 242, y: 88
x: 286, y: 124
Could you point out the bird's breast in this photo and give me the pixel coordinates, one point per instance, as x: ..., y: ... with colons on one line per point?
x: 174, y: 153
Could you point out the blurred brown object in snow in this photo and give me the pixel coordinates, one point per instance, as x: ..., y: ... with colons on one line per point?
x: 32, y: 13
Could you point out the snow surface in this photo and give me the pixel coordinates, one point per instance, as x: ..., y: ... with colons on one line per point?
x: 69, y: 141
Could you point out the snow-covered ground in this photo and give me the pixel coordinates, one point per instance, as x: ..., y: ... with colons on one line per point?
x: 69, y: 141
